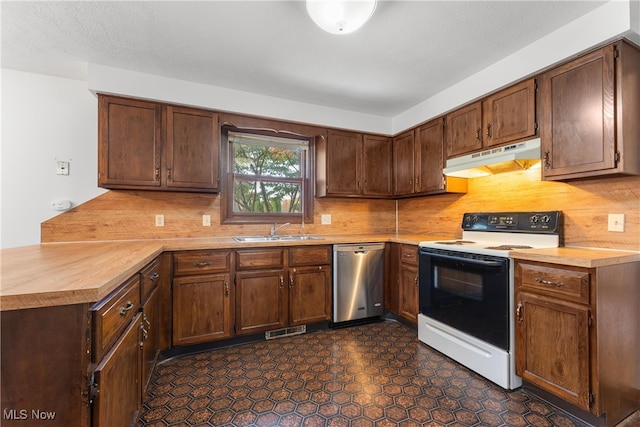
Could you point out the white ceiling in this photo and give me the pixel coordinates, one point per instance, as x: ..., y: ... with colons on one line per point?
x: 408, y: 51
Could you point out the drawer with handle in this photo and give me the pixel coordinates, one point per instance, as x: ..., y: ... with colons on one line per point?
x: 566, y: 282
x: 409, y: 254
x: 198, y: 262
x: 149, y: 278
x: 112, y: 315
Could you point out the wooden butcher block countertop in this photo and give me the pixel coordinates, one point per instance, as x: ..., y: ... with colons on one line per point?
x: 578, y: 257
x: 54, y: 274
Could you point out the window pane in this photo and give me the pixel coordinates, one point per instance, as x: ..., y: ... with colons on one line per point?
x: 266, y: 197
x: 260, y: 160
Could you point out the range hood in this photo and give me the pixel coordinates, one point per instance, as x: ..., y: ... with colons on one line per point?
x: 519, y: 156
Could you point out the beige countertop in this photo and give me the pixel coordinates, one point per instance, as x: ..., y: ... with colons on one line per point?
x: 578, y: 257
x: 53, y: 274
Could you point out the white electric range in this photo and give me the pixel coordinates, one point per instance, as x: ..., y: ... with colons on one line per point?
x: 466, y: 289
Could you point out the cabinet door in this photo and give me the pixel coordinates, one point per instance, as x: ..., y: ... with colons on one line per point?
x: 510, y: 115
x: 409, y: 292
x: 192, y: 149
x: 117, y: 379
x: 392, y: 278
x: 552, y: 346
x: 150, y: 329
x: 578, y: 132
x: 464, y: 130
x: 429, y: 154
x: 261, y: 301
x: 376, y: 165
x: 309, y: 295
x: 344, y: 151
x: 403, y: 164
x: 201, y: 309
x: 129, y: 143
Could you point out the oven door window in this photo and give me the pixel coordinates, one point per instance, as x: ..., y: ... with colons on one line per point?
x: 470, y: 295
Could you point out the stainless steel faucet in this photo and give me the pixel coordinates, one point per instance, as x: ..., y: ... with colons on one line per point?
x: 275, y: 227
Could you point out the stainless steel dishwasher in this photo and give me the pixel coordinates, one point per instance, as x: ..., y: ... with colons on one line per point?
x: 358, y: 275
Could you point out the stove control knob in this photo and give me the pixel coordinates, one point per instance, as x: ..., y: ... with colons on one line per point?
x: 546, y: 219
x: 534, y: 219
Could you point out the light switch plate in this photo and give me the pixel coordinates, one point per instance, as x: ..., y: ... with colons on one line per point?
x: 616, y: 222
x: 206, y: 220
x: 159, y: 220
x: 326, y: 219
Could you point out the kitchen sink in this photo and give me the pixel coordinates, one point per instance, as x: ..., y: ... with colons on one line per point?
x: 289, y: 238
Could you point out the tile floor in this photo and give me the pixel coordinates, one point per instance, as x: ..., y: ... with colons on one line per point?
x: 370, y: 375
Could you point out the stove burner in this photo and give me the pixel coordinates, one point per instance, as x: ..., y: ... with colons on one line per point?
x: 456, y: 242
x: 508, y: 247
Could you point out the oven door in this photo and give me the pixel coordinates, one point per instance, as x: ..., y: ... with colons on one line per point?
x: 467, y: 292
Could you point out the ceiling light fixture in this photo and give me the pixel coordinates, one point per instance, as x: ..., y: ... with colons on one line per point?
x: 340, y: 16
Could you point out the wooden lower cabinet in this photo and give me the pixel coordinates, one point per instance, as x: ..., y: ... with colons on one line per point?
x: 44, y: 370
x: 555, y: 350
x: 116, y: 381
x: 278, y: 288
x: 261, y: 301
x: 309, y: 294
x: 150, y: 339
x: 408, y: 300
x: 202, y: 303
x: 578, y: 335
x: 401, y: 292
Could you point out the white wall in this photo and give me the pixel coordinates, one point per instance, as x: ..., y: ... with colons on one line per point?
x: 43, y: 119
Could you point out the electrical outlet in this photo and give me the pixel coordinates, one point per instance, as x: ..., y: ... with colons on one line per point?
x: 616, y: 222
x: 326, y: 219
x: 159, y: 220
x: 206, y: 220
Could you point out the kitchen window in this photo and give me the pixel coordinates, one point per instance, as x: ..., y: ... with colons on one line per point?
x: 267, y: 177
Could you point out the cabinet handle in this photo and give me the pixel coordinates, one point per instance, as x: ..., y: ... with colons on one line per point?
x: 202, y: 264
x: 489, y: 130
x: 547, y: 163
x: 291, y: 280
x: 123, y: 310
x: 416, y: 281
x: 168, y: 174
x: 145, y: 335
x: 417, y: 180
x: 410, y: 182
x: 146, y: 321
x: 549, y: 282
x: 154, y: 276
x: 281, y: 282
x: 226, y: 288
x: 478, y: 134
x: 519, y: 312
x: 156, y: 175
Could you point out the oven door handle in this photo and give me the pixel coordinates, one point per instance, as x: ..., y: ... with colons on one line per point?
x: 467, y: 260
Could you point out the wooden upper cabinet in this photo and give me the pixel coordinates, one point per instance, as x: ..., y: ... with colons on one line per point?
x: 129, y: 143
x: 377, y: 155
x: 510, y: 114
x: 464, y: 130
x: 344, y: 156
x: 403, y: 163
x: 590, y: 110
x: 192, y: 148
x: 506, y: 116
x: 429, y: 158
x: 150, y: 146
x: 356, y: 165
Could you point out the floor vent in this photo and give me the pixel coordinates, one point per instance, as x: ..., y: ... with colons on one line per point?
x: 285, y: 332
